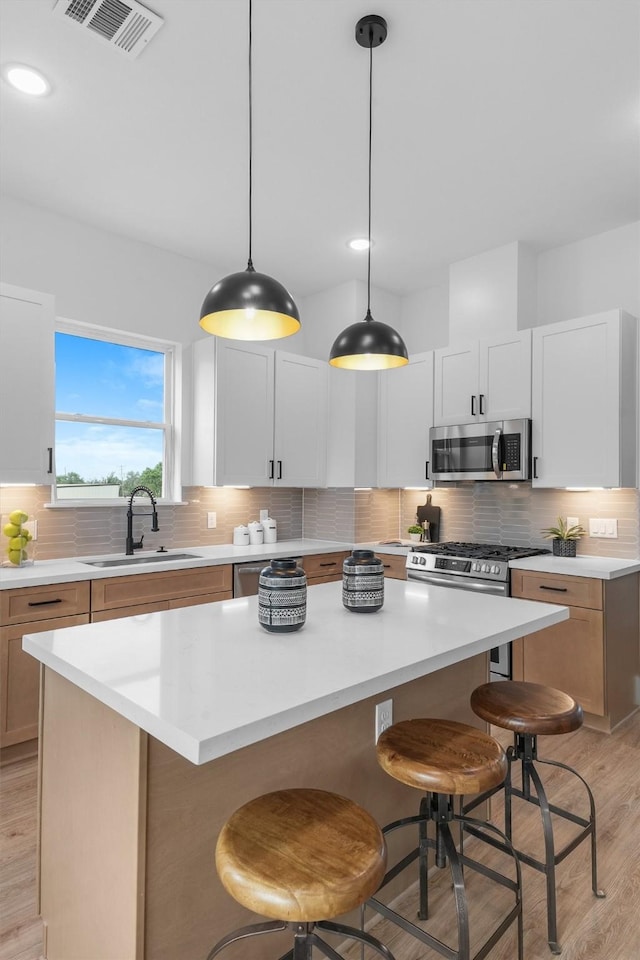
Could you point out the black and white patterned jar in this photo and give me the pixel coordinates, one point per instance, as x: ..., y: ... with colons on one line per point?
x: 363, y: 582
x: 282, y: 596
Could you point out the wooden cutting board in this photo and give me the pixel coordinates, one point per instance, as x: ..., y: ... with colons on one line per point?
x: 431, y: 514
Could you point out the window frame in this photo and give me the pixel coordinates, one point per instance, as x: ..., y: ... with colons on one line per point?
x: 170, y: 426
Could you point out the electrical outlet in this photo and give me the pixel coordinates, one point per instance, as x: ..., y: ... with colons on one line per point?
x: 573, y: 521
x: 384, y: 717
x: 264, y: 515
x: 212, y: 520
x: 603, y: 529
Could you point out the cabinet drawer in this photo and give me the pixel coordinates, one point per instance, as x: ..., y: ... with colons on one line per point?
x: 27, y: 604
x: 321, y: 564
x: 114, y: 592
x: 206, y: 598
x: 327, y: 578
x: 394, y: 566
x: 20, y: 679
x: 553, y: 588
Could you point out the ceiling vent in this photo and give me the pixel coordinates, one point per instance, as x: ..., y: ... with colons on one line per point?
x: 127, y: 26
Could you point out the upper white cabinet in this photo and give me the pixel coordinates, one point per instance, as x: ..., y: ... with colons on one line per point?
x: 27, y: 397
x: 585, y: 403
x: 259, y: 418
x: 405, y: 415
x: 483, y: 380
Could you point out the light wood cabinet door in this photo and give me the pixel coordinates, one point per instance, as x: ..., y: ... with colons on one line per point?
x: 113, y: 593
x: 26, y: 385
x: 569, y: 656
x: 324, y: 567
x: 405, y: 415
x: 26, y: 604
x: 20, y: 679
x: 394, y: 566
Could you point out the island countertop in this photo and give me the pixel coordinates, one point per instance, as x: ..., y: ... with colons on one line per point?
x: 208, y: 680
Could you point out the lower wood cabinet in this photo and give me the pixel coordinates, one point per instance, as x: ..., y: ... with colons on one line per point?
x: 115, y: 597
x: 30, y: 610
x: 394, y: 566
x: 324, y: 567
x: 593, y: 656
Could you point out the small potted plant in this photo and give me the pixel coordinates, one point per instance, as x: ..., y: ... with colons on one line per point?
x: 564, y: 538
x: 415, y: 532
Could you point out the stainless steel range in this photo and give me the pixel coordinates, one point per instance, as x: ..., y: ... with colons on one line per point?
x: 483, y: 567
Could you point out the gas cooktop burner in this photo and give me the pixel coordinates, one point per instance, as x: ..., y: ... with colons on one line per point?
x: 479, y: 551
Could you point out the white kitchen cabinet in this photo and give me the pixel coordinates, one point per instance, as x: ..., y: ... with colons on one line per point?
x: 352, y: 437
x: 27, y: 405
x: 483, y: 380
x: 585, y: 403
x: 405, y: 415
x: 259, y: 418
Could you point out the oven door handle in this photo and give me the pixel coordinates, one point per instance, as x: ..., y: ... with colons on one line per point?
x: 459, y: 583
x: 495, y: 450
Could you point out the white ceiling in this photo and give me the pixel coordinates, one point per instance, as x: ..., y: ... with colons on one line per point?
x: 494, y: 121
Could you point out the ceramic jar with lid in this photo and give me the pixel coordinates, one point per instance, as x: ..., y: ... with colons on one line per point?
x: 363, y: 582
x: 241, y: 536
x: 282, y: 596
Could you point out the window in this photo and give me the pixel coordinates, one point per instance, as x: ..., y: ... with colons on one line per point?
x: 115, y: 415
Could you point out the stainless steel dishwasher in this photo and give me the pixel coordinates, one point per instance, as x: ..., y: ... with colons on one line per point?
x: 245, y: 576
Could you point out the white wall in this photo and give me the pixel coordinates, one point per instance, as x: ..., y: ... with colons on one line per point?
x: 424, y: 318
x: 591, y: 275
x: 102, y: 278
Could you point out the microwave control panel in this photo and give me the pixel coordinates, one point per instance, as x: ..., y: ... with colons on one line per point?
x: 511, y: 450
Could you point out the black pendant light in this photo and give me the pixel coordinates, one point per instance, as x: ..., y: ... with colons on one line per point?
x: 249, y: 305
x: 369, y: 344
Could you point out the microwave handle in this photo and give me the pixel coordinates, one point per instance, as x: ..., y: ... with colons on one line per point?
x: 495, y: 450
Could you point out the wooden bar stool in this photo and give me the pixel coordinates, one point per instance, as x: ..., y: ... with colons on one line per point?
x: 446, y: 759
x: 529, y: 709
x: 301, y: 857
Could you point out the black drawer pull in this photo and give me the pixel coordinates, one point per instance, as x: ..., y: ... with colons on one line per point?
x: 279, y: 477
x: 271, y: 463
x: 43, y: 603
x: 50, y: 452
x: 426, y: 470
x: 556, y: 589
x: 332, y: 564
x: 387, y: 566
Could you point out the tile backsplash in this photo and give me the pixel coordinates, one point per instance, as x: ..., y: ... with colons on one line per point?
x: 482, y: 512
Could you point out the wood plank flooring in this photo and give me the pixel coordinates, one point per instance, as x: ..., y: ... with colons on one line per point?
x: 589, y: 928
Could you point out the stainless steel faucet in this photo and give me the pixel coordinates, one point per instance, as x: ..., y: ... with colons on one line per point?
x: 137, y: 544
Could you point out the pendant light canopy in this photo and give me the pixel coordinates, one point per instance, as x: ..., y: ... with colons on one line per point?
x: 249, y: 305
x: 369, y: 344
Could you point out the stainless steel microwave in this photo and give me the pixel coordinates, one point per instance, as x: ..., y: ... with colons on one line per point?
x: 497, y: 450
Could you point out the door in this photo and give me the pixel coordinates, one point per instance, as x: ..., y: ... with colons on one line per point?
x: 405, y: 415
x: 576, y: 403
x: 504, y: 390
x: 456, y: 385
x: 27, y: 410
x: 244, y: 415
x: 300, y: 421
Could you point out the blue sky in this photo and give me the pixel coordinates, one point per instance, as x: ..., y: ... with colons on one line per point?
x: 98, y: 378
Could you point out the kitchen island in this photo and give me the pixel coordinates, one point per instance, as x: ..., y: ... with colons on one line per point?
x: 155, y: 728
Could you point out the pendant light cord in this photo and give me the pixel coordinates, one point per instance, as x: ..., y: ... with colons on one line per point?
x: 250, y: 262
x: 368, y: 316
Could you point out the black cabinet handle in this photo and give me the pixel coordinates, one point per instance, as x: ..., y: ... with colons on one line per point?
x: 332, y: 564
x: 271, y: 463
x: 535, y: 468
x: 473, y: 404
x: 481, y: 403
x: 279, y: 477
x: 426, y: 470
x: 50, y: 452
x: 555, y: 589
x: 43, y: 603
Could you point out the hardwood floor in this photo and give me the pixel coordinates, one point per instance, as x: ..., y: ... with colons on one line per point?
x: 589, y: 928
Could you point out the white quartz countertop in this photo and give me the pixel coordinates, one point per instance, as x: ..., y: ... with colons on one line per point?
x: 601, y: 568
x: 60, y: 571
x: 208, y: 680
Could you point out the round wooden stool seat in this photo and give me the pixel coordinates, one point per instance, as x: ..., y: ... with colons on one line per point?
x: 301, y: 855
x: 526, y: 707
x: 441, y: 756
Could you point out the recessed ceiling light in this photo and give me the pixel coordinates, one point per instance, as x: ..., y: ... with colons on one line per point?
x: 359, y: 243
x: 26, y: 79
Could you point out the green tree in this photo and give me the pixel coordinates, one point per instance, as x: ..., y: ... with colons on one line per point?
x: 152, y: 477
x: 70, y: 477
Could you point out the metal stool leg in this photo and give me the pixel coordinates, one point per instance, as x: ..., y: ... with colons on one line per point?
x: 549, y: 856
x: 253, y: 930
x: 423, y: 861
x: 345, y: 931
x: 462, y: 909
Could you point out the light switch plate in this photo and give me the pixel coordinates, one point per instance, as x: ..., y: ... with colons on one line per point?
x: 212, y: 520
x: 603, y: 529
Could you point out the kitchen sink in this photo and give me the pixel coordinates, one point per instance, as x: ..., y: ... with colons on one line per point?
x: 133, y: 561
